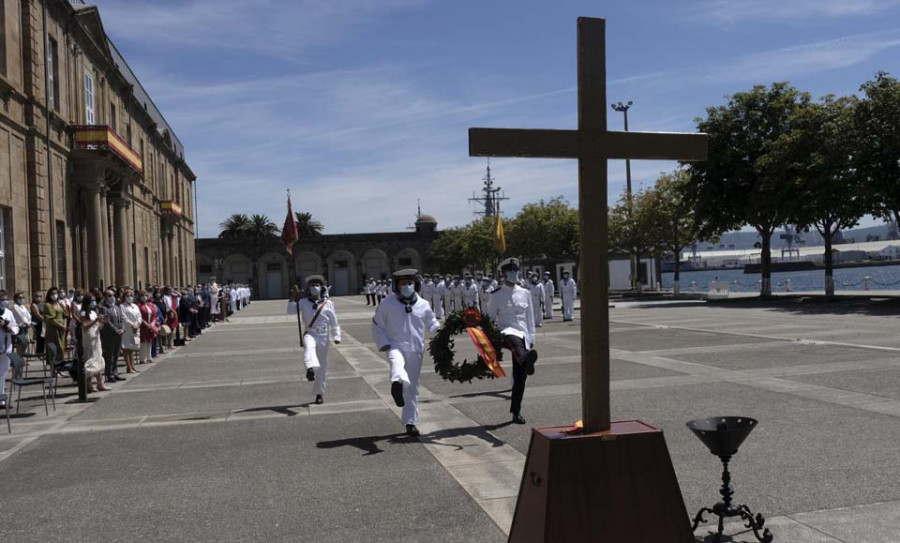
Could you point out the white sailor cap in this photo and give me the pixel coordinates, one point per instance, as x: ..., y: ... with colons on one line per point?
x: 312, y: 278
x: 410, y: 272
x: 509, y: 263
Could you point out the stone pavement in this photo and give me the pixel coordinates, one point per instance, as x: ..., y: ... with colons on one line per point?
x: 219, y: 440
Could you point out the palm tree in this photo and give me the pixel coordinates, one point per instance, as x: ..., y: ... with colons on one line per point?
x: 307, y: 226
x: 261, y: 227
x: 234, y: 226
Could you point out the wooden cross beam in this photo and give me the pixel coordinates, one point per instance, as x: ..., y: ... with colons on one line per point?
x: 592, y: 144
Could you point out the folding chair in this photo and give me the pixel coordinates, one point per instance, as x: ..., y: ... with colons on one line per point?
x: 46, y: 383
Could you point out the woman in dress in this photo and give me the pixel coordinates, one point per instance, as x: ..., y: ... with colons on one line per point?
x: 54, y: 326
x: 131, y: 340
x: 91, y: 323
x: 149, y: 326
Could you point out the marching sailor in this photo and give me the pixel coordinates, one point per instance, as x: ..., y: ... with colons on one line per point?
x: 549, y: 292
x: 399, y: 329
x: 470, y: 293
x: 538, y: 299
x: 428, y: 290
x: 567, y: 291
x: 511, y: 310
x: 319, y: 318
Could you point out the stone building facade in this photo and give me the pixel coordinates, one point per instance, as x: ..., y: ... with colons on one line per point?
x: 345, y: 260
x: 113, y: 204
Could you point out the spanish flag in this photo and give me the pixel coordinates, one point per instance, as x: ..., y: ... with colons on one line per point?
x: 499, y: 236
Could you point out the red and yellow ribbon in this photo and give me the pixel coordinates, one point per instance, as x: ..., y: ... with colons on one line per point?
x: 486, y: 350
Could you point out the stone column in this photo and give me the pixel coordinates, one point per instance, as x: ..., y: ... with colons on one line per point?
x: 122, y: 240
x: 107, y: 252
x: 95, y: 253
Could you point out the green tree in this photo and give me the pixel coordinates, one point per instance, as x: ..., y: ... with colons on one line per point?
x: 307, y: 226
x: 448, y: 250
x: 878, y: 133
x: 631, y: 227
x: 235, y: 226
x: 742, y: 182
x: 822, y: 152
x: 671, y: 214
x: 261, y: 227
x: 545, y: 230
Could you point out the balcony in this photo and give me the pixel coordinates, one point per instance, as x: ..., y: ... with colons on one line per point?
x: 103, y: 138
x: 170, y: 208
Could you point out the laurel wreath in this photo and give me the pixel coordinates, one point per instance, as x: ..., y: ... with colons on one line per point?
x: 442, y: 347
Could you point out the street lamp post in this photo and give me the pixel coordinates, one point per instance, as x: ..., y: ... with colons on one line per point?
x: 623, y: 108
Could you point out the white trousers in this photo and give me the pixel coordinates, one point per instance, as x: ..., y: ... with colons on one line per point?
x: 568, y: 307
x: 438, y: 309
x: 538, y: 314
x: 448, y: 305
x: 406, y: 366
x: 548, y: 308
x: 4, y: 369
x: 315, y: 356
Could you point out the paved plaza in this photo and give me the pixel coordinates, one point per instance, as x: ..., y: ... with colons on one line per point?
x: 219, y: 441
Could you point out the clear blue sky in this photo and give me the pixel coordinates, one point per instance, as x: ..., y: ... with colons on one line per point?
x: 361, y: 107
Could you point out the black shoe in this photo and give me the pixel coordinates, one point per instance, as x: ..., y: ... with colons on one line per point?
x: 412, y: 431
x: 310, y: 374
x: 319, y: 399
x: 518, y: 419
x: 530, y: 359
x: 6, y: 405
x: 118, y: 378
x: 397, y: 393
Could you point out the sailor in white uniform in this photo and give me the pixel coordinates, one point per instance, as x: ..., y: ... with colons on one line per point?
x: 549, y: 292
x: 484, y: 295
x: 448, y: 294
x: 511, y: 310
x: 568, y: 290
x: 537, y: 299
x: 8, y: 332
x: 470, y: 293
x: 458, y: 288
x: 399, y: 328
x: 428, y: 290
x: 437, y: 299
x: 319, y: 319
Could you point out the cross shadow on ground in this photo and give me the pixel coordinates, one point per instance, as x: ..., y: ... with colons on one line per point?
x: 370, y: 444
x: 286, y: 410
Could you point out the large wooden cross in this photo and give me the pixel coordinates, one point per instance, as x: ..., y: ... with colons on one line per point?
x: 592, y: 144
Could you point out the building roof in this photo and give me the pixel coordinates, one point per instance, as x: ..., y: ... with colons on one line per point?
x: 140, y: 93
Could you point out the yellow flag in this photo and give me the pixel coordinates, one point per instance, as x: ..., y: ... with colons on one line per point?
x: 499, y: 236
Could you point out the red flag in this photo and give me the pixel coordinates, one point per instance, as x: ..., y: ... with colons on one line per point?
x: 289, y: 233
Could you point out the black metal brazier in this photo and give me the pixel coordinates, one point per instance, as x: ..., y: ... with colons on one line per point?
x: 723, y: 436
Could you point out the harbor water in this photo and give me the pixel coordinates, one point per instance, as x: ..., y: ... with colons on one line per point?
x: 880, y: 278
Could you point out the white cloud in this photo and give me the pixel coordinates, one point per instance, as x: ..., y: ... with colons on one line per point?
x: 732, y: 11
x: 800, y: 60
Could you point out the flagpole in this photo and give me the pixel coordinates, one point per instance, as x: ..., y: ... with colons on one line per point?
x: 293, y: 271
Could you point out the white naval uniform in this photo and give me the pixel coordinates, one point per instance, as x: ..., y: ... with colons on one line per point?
x: 511, y: 311
x: 549, y: 292
x: 437, y: 300
x: 470, y: 295
x: 484, y: 298
x: 568, y: 290
x: 405, y: 334
x: 315, y: 339
x: 537, y: 301
x: 7, y: 340
x: 458, y: 289
x: 448, y: 297
x: 428, y: 292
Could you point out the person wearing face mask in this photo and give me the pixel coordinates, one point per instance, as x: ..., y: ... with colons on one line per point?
x: 511, y: 309
x: 399, y: 328
x: 437, y: 297
x: 549, y: 292
x: 538, y: 299
x: 427, y: 289
x: 131, y: 338
x: 92, y: 323
x: 23, y: 321
x: 149, y: 326
x: 568, y: 290
x: 470, y: 293
x: 73, y: 319
x: 55, y: 325
x: 448, y: 294
x: 8, y: 332
x: 484, y: 295
x: 37, y: 322
x: 111, y: 335
x: 319, y: 319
